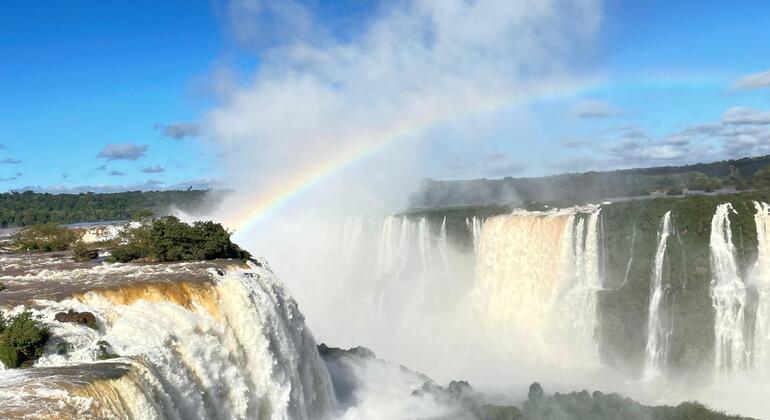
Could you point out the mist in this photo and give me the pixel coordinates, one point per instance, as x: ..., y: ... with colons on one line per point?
x: 328, y: 138
x: 347, y: 128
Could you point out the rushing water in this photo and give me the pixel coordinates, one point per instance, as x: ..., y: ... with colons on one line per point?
x: 761, y: 345
x: 232, y: 347
x: 539, y: 272
x: 474, y: 229
x: 206, y: 340
x: 728, y: 293
x: 656, y: 350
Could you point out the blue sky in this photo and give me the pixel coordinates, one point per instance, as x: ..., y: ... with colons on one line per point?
x: 115, y: 95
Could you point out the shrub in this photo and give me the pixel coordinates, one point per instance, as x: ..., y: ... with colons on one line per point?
x: 22, y: 338
x: 46, y: 237
x: 2, y: 287
x: 9, y: 357
x: 84, y: 251
x: 104, y: 353
x: 168, y: 239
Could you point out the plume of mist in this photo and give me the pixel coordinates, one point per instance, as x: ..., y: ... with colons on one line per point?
x: 370, y: 104
x: 354, y: 123
x: 415, y: 65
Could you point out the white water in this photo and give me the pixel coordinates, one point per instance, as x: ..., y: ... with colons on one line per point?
x: 474, y: 229
x: 233, y: 350
x: 728, y: 293
x: 761, y: 344
x: 656, y: 350
x: 538, y: 272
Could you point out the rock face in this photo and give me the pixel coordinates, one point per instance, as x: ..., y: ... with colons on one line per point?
x: 85, y: 318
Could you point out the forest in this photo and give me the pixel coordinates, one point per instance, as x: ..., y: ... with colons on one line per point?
x: 577, y: 188
x: 29, y: 208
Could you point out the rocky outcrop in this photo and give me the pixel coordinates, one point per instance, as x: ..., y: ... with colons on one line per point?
x: 84, y: 318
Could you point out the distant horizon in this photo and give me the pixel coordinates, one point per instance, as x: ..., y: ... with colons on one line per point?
x: 203, y: 187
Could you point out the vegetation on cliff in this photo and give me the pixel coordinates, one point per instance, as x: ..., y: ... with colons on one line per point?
x: 22, y: 339
x: 630, y: 231
x: 168, y: 239
x: 578, y: 188
x: 44, y: 237
x: 629, y: 236
x: 571, y: 406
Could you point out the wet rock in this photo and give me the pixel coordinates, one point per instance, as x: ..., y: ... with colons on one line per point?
x: 89, y: 254
x: 336, y: 352
x: 84, y: 318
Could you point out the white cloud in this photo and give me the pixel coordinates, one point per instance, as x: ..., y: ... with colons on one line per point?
x: 179, y: 130
x: 153, y: 169
x: 123, y: 152
x: 754, y: 81
x: 746, y: 116
x: 593, y: 109
x: 415, y: 64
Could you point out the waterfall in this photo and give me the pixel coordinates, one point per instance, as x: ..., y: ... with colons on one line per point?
x: 761, y: 347
x: 581, y: 281
x: 630, y: 258
x: 474, y: 229
x: 540, y: 271
x: 443, y: 248
x: 728, y: 294
x: 234, y: 347
x: 412, y: 262
x: 656, y: 350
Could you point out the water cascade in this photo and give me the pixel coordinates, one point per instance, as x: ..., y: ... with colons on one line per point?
x: 728, y: 294
x: 761, y: 347
x: 656, y: 350
x: 234, y: 346
x: 474, y: 229
x: 539, y: 272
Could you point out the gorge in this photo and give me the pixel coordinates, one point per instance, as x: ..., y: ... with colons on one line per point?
x: 665, y: 293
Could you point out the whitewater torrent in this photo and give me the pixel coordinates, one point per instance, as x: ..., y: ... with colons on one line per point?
x: 474, y: 230
x: 656, y: 350
x: 233, y: 347
x: 728, y: 293
x: 539, y: 271
x: 761, y: 345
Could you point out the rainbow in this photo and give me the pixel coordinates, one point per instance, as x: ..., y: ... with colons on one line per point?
x: 275, y: 195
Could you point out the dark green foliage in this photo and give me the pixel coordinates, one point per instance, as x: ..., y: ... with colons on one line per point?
x: 500, y: 412
x: 580, y: 188
x: 630, y: 228
x: 84, y: 251
x: 623, y: 305
x: 29, y: 208
x: 599, y: 406
x: 22, y: 338
x: 62, y: 348
x: 168, y: 239
x: 46, y: 237
x: 581, y: 405
x: 2, y: 287
x: 336, y: 352
x: 10, y: 357
x: 103, y: 352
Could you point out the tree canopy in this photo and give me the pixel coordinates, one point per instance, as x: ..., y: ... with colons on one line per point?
x: 30, y: 208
